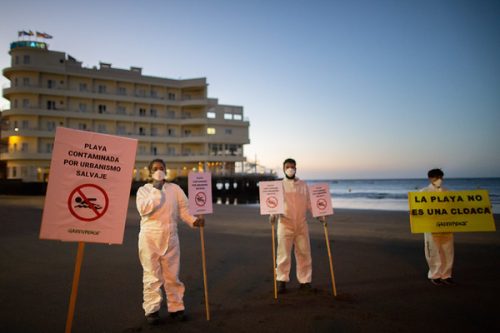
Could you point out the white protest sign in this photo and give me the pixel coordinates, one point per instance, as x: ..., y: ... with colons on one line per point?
x: 271, y: 197
x: 321, y: 200
x: 200, y: 193
x: 89, y: 187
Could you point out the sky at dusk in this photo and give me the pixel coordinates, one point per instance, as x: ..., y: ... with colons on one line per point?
x: 350, y: 89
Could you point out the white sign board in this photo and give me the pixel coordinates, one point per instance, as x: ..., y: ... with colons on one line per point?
x: 321, y: 200
x: 271, y: 197
x: 89, y: 187
x: 200, y: 193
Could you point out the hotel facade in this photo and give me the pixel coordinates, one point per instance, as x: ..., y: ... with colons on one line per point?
x: 171, y: 119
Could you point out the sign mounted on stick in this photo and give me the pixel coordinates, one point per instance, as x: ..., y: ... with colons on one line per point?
x: 321, y: 199
x: 451, y: 211
x: 271, y: 197
x: 89, y: 187
x: 200, y: 193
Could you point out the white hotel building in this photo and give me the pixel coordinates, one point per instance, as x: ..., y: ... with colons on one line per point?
x: 172, y: 119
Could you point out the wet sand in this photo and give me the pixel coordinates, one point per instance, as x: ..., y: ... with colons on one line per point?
x: 380, y: 274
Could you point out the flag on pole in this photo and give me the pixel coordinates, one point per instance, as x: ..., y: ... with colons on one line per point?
x: 24, y: 33
x: 43, y: 35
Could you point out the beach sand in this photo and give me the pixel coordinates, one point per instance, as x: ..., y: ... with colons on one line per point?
x: 380, y: 273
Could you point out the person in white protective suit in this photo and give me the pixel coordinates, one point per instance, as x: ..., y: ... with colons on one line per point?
x: 160, y: 205
x: 293, y: 231
x: 439, y: 249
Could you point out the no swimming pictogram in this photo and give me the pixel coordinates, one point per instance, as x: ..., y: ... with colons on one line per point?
x: 200, y: 199
x: 321, y: 204
x: 88, y: 202
x: 271, y: 202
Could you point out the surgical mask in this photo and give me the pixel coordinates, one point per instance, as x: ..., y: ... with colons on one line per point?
x: 290, y: 172
x: 158, y: 175
x: 437, y: 182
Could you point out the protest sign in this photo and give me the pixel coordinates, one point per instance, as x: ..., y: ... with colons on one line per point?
x: 451, y: 211
x: 321, y: 200
x: 200, y: 193
x: 271, y: 197
x: 89, y: 187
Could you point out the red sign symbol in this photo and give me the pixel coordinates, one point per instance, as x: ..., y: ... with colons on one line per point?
x: 88, y: 202
x: 200, y: 198
x: 321, y: 204
x: 271, y: 202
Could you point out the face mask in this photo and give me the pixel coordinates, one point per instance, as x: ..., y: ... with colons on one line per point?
x: 290, y: 172
x: 158, y: 175
x: 437, y: 183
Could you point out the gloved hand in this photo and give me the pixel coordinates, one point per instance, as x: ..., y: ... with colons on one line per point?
x: 273, y: 218
x: 200, y: 222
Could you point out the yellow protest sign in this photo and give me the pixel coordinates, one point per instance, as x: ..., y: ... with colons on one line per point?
x: 452, y: 211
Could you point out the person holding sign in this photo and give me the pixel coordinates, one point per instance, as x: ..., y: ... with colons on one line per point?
x: 293, y: 230
x: 160, y: 206
x: 439, y: 249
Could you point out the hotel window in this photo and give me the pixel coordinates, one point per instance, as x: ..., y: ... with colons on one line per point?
x: 82, y: 107
x: 171, y: 96
x: 49, y: 147
x: 171, y: 151
x: 154, y: 150
x: 24, y: 147
x: 51, y: 105
x: 228, y: 131
x: 51, y: 125
x: 170, y: 114
x: 102, y: 108
x: 211, y: 115
x: 17, y: 60
x: 228, y: 116
x: 101, y: 89
x: 51, y: 84
x: 154, y: 94
x: 171, y: 132
x: 210, y: 131
x: 101, y: 128
x: 26, y: 60
x: 121, y: 129
x: 153, y: 113
x: 82, y: 126
x: 121, y: 110
x: 142, y: 112
x: 142, y: 131
x: 26, y: 103
x: 14, y: 172
x: 26, y: 81
x: 122, y: 91
x: 238, y: 117
x: 25, y: 124
x: 83, y: 87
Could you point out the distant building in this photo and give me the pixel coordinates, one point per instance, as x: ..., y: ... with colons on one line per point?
x: 172, y: 119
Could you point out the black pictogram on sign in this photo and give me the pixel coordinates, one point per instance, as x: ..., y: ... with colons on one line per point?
x: 201, y: 199
x: 271, y: 202
x: 88, y: 202
x: 321, y: 204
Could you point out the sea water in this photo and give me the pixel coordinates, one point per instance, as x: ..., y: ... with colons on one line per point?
x: 392, y: 194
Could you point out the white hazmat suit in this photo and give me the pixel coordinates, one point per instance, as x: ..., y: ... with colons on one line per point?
x: 439, y: 251
x: 293, y: 231
x: 159, y: 250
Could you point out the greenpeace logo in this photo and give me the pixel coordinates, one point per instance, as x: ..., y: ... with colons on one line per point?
x: 83, y: 232
x: 452, y: 224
